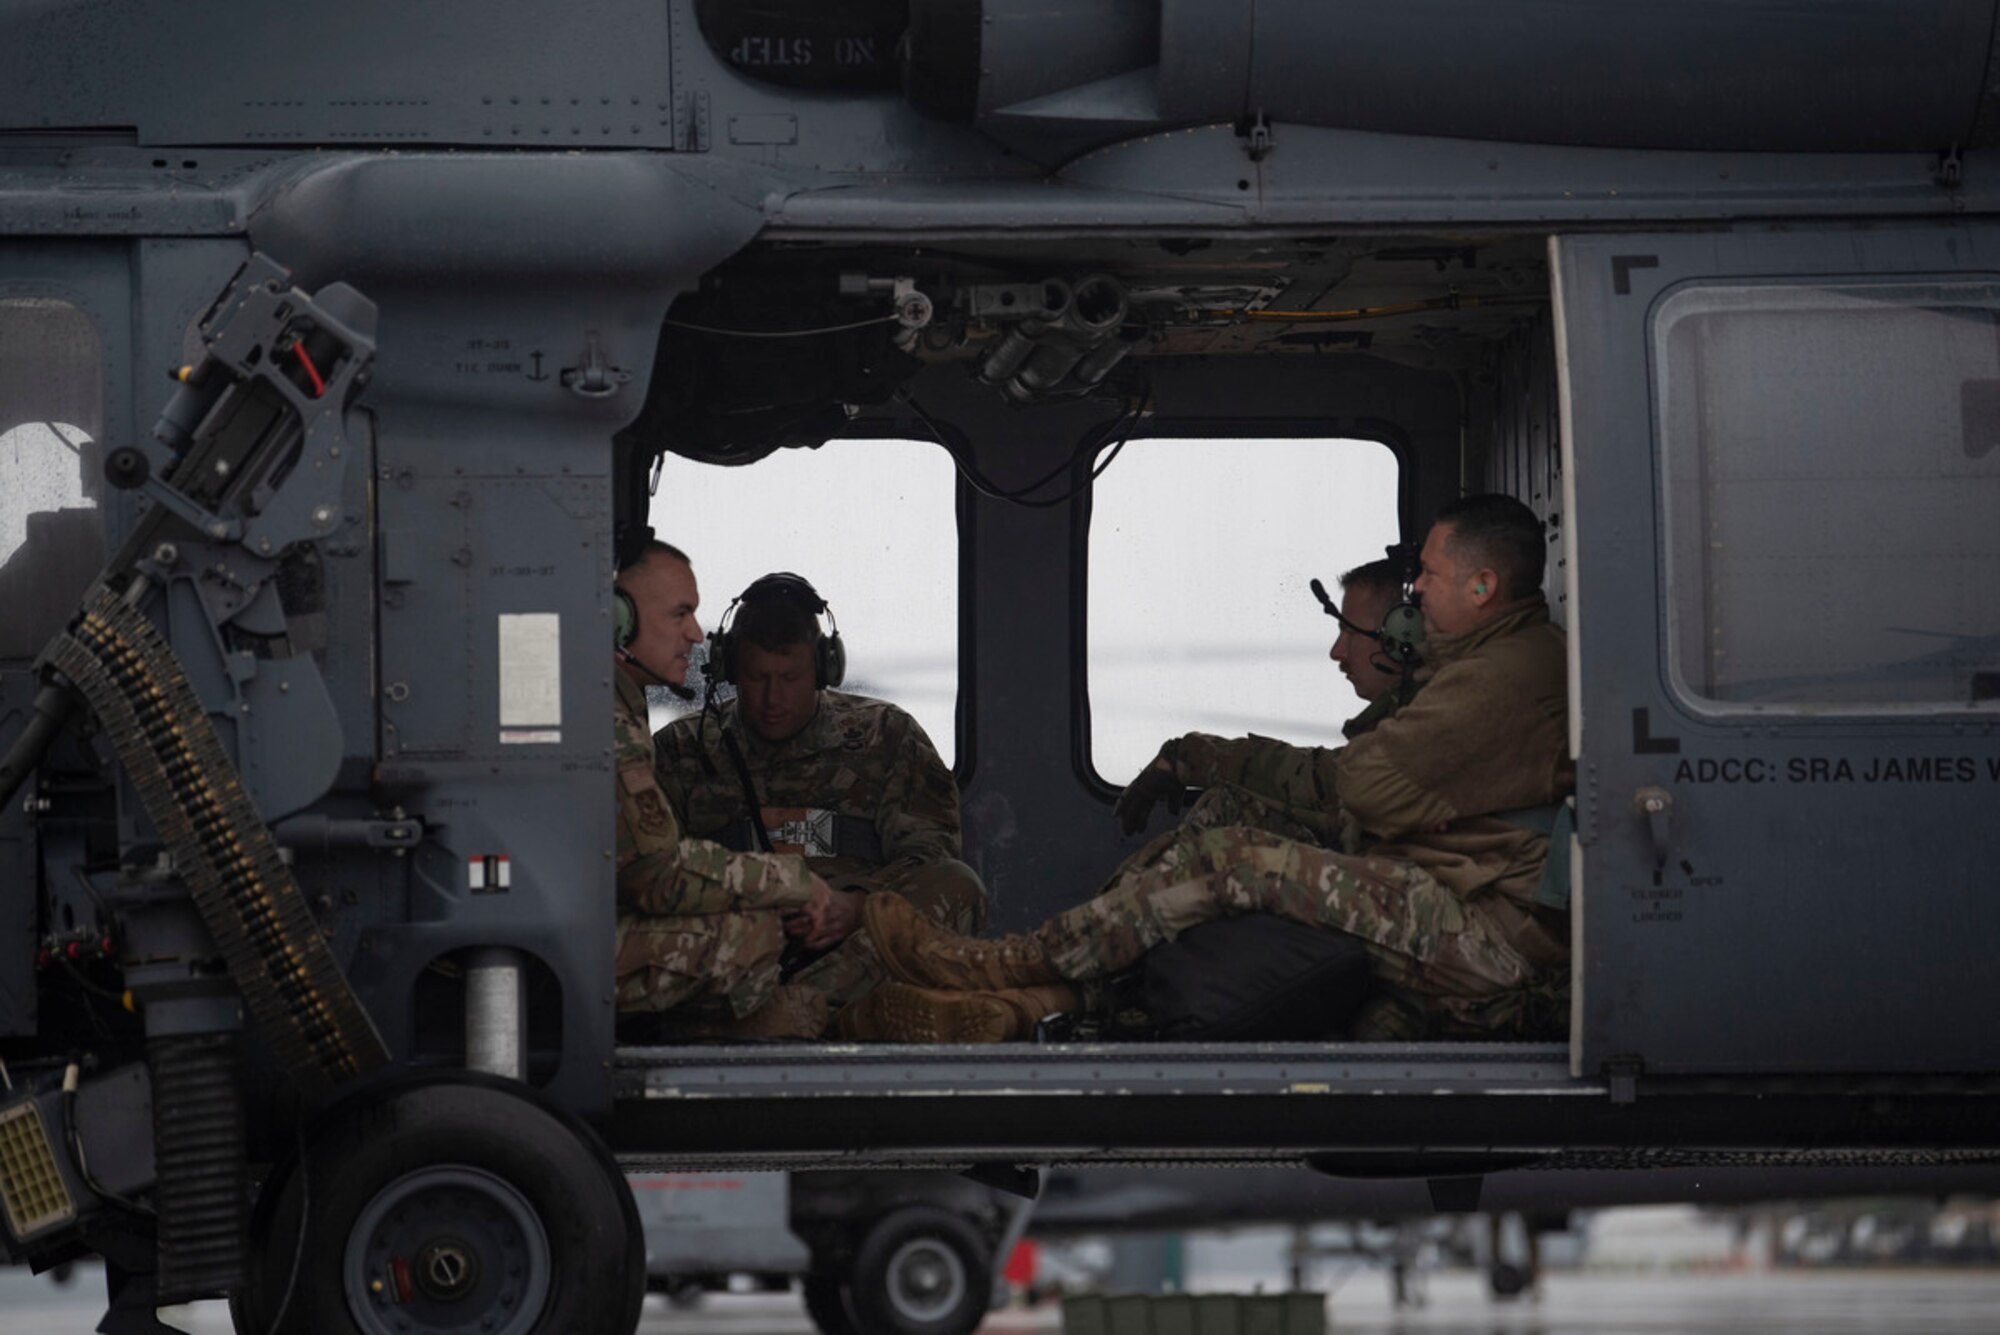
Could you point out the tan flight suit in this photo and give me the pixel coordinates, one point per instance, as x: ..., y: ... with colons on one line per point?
x: 1439, y: 888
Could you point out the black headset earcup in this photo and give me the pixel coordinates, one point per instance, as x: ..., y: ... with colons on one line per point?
x: 831, y: 660
x: 624, y: 619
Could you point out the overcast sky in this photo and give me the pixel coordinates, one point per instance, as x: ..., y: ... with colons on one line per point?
x: 1200, y: 554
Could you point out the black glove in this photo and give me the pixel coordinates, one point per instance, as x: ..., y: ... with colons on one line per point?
x: 1135, y: 804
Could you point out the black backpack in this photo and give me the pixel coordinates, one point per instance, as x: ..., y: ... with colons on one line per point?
x: 1254, y: 976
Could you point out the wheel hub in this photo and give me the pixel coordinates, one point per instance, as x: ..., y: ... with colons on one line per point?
x: 447, y: 1249
x: 446, y: 1269
x: 926, y: 1279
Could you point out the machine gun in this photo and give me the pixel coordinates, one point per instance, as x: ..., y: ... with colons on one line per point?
x: 257, y: 449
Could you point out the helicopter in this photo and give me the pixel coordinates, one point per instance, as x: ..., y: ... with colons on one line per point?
x: 338, y: 353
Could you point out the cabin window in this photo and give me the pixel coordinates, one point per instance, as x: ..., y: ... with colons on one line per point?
x: 871, y: 523
x: 51, y: 415
x: 1201, y: 618
x: 1832, y: 471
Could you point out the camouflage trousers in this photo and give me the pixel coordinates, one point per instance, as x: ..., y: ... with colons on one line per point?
x: 734, y: 961
x: 1227, y: 804
x: 722, y: 960
x: 1433, y: 950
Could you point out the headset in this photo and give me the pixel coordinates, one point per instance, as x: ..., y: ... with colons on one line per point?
x: 1401, y: 635
x: 631, y: 545
x: 829, y: 654
x: 624, y: 620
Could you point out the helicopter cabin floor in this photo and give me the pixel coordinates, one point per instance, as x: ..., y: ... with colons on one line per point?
x: 1356, y: 1109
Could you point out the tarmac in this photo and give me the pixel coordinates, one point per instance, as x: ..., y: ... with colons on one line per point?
x: 1846, y: 1302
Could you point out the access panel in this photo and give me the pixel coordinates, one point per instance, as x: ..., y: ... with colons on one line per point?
x: 1786, y: 640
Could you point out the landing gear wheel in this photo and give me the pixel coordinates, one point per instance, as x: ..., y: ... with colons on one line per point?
x: 452, y: 1205
x: 921, y: 1271
x: 827, y: 1304
x: 1507, y: 1280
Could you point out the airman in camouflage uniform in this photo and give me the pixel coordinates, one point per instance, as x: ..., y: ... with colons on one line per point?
x: 699, y: 925
x: 1288, y: 790
x: 859, y: 792
x: 1441, y: 888
x: 851, y: 784
x: 1273, y: 785
x: 683, y: 931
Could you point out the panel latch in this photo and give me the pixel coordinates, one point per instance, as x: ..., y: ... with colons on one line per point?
x: 1656, y: 806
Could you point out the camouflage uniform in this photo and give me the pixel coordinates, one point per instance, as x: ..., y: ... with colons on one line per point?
x: 859, y: 792
x: 1273, y: 785
x: 696, y: 922
x: 1441, y: 893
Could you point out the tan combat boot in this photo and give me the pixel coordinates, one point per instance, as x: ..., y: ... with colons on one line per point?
x: 899, y: 1013
x: 922, y: 953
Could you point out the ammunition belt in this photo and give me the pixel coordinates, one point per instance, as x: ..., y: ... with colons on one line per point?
x: 221, y: 847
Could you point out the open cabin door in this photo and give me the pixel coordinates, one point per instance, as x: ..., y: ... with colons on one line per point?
x: 1785, y: 622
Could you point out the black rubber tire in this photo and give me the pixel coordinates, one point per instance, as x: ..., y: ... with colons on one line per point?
x: 547, y: 1171
x: 913, y: 1249
x: 1507, y: 1280
x: 828, y: 1305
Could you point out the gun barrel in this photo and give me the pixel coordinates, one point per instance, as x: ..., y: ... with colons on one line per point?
x: 55, y: 704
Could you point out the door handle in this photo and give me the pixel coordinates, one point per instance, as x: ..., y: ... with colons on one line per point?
x: 1656, y: 806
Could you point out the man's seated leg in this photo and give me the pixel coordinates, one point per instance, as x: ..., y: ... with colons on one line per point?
x: 949, y: 893
x: 1422, y: 937
x: 1228, y: 804
x: 898, y: 1013
x: 716, y: 976
x: 1218, y: 807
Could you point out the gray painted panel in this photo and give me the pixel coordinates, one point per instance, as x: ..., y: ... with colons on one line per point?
x: 289, y: 744
x: 19, y: 878
x: 1521, y: 454
x: 1205, y: 57
x: 426, y: 688
x: 1345, y: 178
x: 419, y: 216
x: 592, y: 74
x: 711, y: 1225
x: 1078, y: 43
x: 600, y: 220
x: 461, y: 553
x: 1819, y: 906
x: 1862, y: 75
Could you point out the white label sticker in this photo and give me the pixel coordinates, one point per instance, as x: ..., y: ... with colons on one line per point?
x: 530, y: 674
